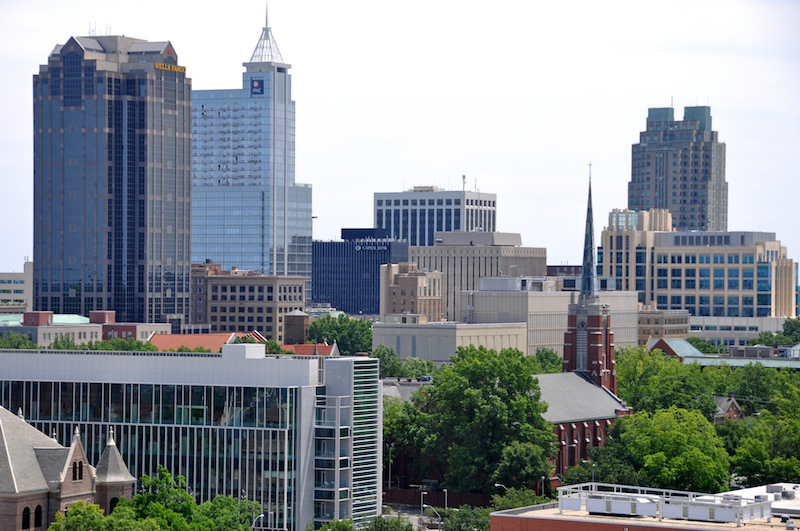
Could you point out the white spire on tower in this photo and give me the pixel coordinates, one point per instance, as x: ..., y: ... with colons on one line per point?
x: 267, y: 49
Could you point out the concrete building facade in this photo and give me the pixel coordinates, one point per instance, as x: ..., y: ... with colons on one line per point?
x: 244, y: 301
x: 418, y: 214
x: 464, y: 258
x: 112, y: 194
x: 300, y: 435
x: 16, y: 290
x: 679, y: 165
x: 710, y: 274
x: 662, y: 324
x: 248, y: 211
x: 405, y: 290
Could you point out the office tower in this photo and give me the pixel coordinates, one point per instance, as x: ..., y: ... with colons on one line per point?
x: 418, y: 214
x: 347, y: 274
x: 247, y: 210
x: 680, y: 166
x: 465, y: 257
x: 111, y: 194
x: 710, y: 274
x: 244, y: 301
x: 300, y: 435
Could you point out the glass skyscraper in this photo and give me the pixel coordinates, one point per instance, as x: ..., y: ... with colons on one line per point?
x: 112, y: 195
x: 247, y: 210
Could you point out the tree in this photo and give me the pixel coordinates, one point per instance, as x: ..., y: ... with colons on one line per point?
x: 467, y: 518
x: 676, y: 449
x: 486, y: 402
x: 351, y: 335
x: 129, y: 344
x: 64, y: 343
x: 388, y: 524
x: 521, y: 463
x: 336, y: 525
x: 704, y: 346
x: 513, y: 498
x: 79, y: 517
x: 15, y: 340
x: 390, y: 363
x: 549, y: 360
x: 770, y: 339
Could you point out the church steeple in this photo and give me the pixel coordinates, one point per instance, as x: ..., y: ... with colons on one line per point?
x: 589, y: 274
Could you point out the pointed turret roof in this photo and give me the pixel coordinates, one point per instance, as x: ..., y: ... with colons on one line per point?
x: 20, y: 461
x: 111, y: 468
x: 589, y: 274
x: 267, y: 49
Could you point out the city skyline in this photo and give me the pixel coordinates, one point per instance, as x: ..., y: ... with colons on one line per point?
x: 518, y: 98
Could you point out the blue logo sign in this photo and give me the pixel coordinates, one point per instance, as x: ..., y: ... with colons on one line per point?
x: 257, y: 87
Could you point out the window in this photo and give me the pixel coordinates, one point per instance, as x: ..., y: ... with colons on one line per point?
x: 26, y: 518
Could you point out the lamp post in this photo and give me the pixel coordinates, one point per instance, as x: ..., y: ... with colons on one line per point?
x: 253, y: 525
x: 437, y: 514
x: 421, y: 505
x: 593, y: 465
x: 445, y: 499
x: 391, y: 447
x: 498, y: 485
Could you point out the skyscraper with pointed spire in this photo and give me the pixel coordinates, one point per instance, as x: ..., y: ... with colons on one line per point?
x: 589, y: 341
x: 247, y: 210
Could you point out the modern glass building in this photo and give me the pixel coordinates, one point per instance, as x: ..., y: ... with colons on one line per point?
x: 347, y: 274
x: 112, y: 199
x: 300, y: 435
x: 247, y: 210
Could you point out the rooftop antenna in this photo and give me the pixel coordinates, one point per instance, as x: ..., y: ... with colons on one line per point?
x: 670, y: 105
x: 476, y: 185
x: 463, y: 183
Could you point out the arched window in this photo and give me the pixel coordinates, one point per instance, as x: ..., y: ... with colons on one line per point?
x: 80, y: 469
x: 74, y: 471
x: 113, y: 503
x: 26, y: 518
x: 37, y: 517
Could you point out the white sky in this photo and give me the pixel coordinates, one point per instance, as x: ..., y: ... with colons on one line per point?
x: 519, y: 96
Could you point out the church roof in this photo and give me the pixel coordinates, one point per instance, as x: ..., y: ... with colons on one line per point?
x: 21, y: 447
x: 589, y: 271
x: 572, y: 398
x: 111, y: 468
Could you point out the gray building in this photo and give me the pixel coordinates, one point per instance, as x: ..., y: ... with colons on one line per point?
x: 300, y: 435
x: 679, y: 165
x: 112, y: 199
x: 247, y: 210
x: 418, y: 214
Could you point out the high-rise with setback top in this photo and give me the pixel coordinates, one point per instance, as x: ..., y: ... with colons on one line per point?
x: 679, y: 165
x: 112, y: 196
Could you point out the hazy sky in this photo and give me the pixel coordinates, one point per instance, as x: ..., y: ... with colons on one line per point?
x: 519, y: 96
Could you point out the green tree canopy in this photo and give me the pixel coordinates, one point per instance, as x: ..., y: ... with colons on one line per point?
x: 549, y: 360
x: 351, y: 335
x: 704, y: 346
x: 15, y: 340
x: 485, y: 403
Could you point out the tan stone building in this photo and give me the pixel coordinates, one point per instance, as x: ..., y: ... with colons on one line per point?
x: 717, y: 274
x: 465, y: 257
x: 16, y: 290
x: 407, y: 290
x: 244, y: 301
x: 656, y: 324
x: 39, y: 477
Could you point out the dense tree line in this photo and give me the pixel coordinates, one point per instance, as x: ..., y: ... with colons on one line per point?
x: 351, y: 335
x: 162, y: 505
x: 789, y: 336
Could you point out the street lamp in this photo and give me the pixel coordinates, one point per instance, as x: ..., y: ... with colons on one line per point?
x: 437, y: 514
x: 445, y: 499
x: 253, y: 525
x: 593, y: 465
x: 422, y: 505
x: 498, y: 485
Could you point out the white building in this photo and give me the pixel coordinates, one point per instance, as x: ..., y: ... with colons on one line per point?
x: 301, y: 435
x: 16, y: 290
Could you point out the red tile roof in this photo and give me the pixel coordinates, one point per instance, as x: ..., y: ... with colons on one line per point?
x: 213, y: 342
x: 308, y: 349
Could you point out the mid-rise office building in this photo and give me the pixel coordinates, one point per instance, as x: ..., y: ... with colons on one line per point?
x: 464, y: 258
x: 418, y: 214
x: 244, y: 301
x: 679, y: 165
x: 347, y: 274
x: 247, y: 209
x: 405, y: 290
x: 16, y: 290
x: 300, y: 435
x: 112, y: 197
x: 717, y: 274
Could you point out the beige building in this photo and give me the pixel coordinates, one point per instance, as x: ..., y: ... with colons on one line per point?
x: 657, y: 324
x: 244, y: 301
x: 405, y: 290
x: 464, y: 258
x: 545, y: 312
x: 710, y: 274
x: 16, y: 290
x: 437, y: 342
x: 733, y: 331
